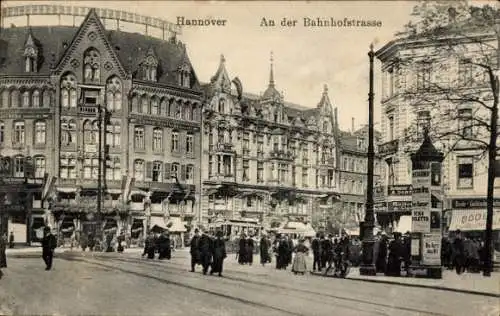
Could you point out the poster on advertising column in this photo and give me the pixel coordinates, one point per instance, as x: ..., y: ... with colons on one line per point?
x: 431, y: 249
x: 421, y: 201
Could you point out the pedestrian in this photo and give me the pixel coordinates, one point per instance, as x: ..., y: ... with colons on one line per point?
x: 3, y: 256
x: 242, y: 250
x: 250, y: 246
x: 381, y: 261
x: 219, y: 254
x: 150, y: 246
x: 163, y: 246
x: 49, y: 243
x: 283, y: 250
x: 395, y: 256
x: 11, y: 240
x: 326, y: 250
x: 195, y: 249
x: 315, y: 245
x: 459, y: 253
x: 264, y: 246
x: 291, y: 247
x: 299, y: 261
x: 205, y: 248
x: 120, y: 239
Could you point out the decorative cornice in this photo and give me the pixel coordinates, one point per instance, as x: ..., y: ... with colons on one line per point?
x: 27, y: 80
x: 164, y: 122
x: 157, y: 87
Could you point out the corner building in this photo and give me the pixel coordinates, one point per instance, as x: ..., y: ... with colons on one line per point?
x: 68, y: 93
x: 267, y: 163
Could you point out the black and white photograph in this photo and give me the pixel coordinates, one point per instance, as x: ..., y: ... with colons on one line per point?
x: 244, y: 158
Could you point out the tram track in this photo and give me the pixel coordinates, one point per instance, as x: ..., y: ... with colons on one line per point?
x: 173, y: 268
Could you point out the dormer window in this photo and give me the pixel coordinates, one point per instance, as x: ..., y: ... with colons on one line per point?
x: 222, y: 104
x: 184, y: 77
x: 92, y: 66
x: 30, y: 55
x: 150, y: 67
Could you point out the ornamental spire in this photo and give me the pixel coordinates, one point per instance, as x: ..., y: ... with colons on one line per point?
x: 271, y: 74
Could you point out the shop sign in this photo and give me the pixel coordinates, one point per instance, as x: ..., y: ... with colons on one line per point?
x: 399, y: 206
x: 473, y: 203
x: 473, y: 220
x: 399, y: 190
x: 431, y: 249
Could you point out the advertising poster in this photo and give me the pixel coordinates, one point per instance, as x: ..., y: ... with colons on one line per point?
x: 431, y: 249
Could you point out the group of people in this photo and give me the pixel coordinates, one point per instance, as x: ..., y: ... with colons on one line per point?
x: 463, y: 253
x: 246, y: 249
x: 209, y: 251
x: 157, y: 243
x: 391, y: 255
x: 329, y: 252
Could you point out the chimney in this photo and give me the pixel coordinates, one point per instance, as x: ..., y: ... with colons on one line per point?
x: 352, y: 125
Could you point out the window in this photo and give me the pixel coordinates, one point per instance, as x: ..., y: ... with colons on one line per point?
x: 189, y: 174
x: 391, y: 178
x: 113, y: 169
x: 113, y: 138
x: 135, y: 104
x: 210, y: 165
x: 14, y: 98
x: 144, y: 105
x: 68, y: 91
x: 19, y: 133
x: 465, y: 71
x: 187, y: 112
x: 226, y: 165
x: 139, y: 137
x: 391, y: 128
x: 26, y: 99
x: 35, y: 99
x: 139, y: 170
x: 90, y: 132
x: 331, y: 179
x: 175, y: 142
x: 424, y: 76
x: 190, y: 143
x: 305, y: 154
x: 174, y: 170
x: 5, y: 99
x: 305, y: 177
x: 67, y: 167
x: 90, y: 168
x: 276, y: 143
x: 149, y: 66
x: 246, y: 173
x: 157, y: 139
x: 282, y: 173
x: 465, y: 122
x: 260, y: 171
x: 39, y: 167
x: 423, y: 122
x: 113, y: 94
x: 155, y: 106
x: 465, y: 172
x: 325, y: 127
x: 92, y: 66
x: 46, y: 98
x: 40, y: 132
x: 222, y: 105
x: 19, y: 167
x: 184, y: 76
x: 2, y: 133
x: 157, y: 171
x: 68, y: 132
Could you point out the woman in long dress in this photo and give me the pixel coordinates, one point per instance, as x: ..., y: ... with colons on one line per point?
x: 299, y: 261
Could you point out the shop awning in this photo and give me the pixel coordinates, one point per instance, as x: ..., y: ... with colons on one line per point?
x: 404, y: 224
x: 472, y: 220
x: 157, y: 221
x: 175, y: 225
x: 66, y: 190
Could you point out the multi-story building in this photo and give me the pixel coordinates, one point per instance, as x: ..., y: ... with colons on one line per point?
x: 353, y: 164
x: 79, y: 100
x: 266, y: 161
x: 414, y: 70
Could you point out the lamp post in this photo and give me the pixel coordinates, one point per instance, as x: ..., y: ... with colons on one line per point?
x: 367, y: 267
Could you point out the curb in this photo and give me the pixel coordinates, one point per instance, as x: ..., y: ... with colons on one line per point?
x: 424, y: 286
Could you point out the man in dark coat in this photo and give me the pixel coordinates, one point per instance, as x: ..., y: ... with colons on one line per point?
x: 195, y: 249
x: 11, y: 240
x: 150, y: 246
x: 249, y: 250
x: 219, y: 254
x: 396, y: 252
x: 326, y: 250
x: 205, y: 248
x: 459, y: 253
x: 283, y: 251
x: 264, y: 246
x: 49, y: 243
x: 291, y: 248
x: 315, y: 245
x: 163, y: 246
x: 381, y: 260
x: 242, y: 251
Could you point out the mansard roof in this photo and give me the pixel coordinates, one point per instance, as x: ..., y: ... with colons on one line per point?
x: 129, y: 47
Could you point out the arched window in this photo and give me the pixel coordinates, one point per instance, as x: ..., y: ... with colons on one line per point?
x: 145, y: 104
x: 46, y: 98
x: 184, y: 76
x: 163, y: 107
x: 35, y: 99
x: 192, y: 115
x: 178, y: 110
x: 155, y: 106
x: 26, y: 99
x: 139, y: 170
x: 90, y: 132
x: 4, y: 101
x: 187, y: 112
x: 135, y: 104
x: 92, y: 66
x: 14, y: 98
x: 68, y: 91
x: 173, y: 108
x: 40, y: 132
x: 113, y: 94
x: 156, y: 171
x: 222, y: 105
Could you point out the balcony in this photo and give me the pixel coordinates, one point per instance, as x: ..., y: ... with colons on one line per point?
x: 388, y: 148
x: 281, y: 154
x: 88, y: 109
x: 330, y: 162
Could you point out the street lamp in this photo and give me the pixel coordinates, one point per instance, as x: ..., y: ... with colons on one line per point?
x: 367, y: 267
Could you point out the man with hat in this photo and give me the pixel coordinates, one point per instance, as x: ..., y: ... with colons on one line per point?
x: 219, y: 253
x: 49, y: 243
x: 195, y: 251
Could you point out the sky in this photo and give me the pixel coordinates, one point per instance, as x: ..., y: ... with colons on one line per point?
x: 305, y: 58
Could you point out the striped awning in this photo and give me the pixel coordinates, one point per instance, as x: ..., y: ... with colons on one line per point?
x: 472, y: 220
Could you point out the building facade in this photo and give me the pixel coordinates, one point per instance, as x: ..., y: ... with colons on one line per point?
x: 84, y: 109
x: 414, y: 72
x: 266, y: 161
